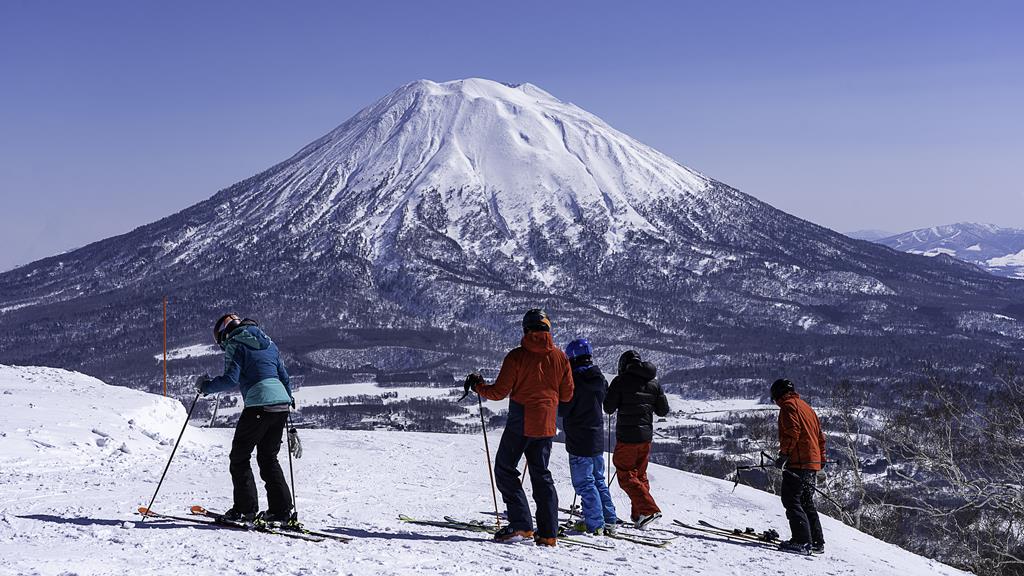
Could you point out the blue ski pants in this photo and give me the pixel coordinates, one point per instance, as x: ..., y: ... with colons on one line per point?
x: 588, y: 480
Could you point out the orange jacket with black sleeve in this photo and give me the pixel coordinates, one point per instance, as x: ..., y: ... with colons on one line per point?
x: 800, y: 436
x: 535, y: 377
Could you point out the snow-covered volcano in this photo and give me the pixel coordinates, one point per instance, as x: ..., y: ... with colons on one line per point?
x: 476, y: 161
x: 78, y: 457
x: 433, y: 218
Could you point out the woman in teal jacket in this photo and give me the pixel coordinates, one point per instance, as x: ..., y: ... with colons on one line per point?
x: 253, y: 364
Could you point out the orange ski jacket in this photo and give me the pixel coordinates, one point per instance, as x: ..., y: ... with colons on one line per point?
x: 800, y: 436
x: 536, y: 376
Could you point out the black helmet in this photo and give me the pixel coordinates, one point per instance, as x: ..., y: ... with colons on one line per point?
x: 780, y: 388
x: 628, y: 357
x: 536, y: 320
x: 224, y: 325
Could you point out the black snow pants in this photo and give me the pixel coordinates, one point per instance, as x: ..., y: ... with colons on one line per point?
x: 263, y: 431
x: 798, y: 499
x: 506, y: 474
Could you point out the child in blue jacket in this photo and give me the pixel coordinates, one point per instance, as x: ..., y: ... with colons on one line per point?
x: 583, y: 423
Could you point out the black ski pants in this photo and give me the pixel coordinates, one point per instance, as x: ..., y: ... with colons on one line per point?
x: 798, y: 499
x: 506, y: 473
x: 263, y: 431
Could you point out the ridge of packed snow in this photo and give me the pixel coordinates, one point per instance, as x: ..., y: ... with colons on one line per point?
x: 68, y: 492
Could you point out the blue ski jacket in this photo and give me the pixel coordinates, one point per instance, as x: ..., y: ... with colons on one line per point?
x: 253, y: 364
x: 582, y: 417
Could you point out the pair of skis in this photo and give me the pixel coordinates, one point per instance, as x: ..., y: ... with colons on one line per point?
x: 200, y: 515
x: 647, y: 539
x: 479, y: 526
x: 620, y: 534
x: 768, y: 539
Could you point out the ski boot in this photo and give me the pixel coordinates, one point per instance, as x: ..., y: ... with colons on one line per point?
x: 542, y: 541
x: 795, y: 547
x: 645, y: 520
x: 509, y: 535
x: 270, y: 519
x: 234, y: 516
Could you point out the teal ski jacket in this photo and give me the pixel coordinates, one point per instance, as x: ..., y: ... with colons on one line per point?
x: 253, y: 363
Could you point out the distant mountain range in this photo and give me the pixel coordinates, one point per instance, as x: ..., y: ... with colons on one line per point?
x: 408, y: 241
x: 997, y: 250
x: 870, y: 235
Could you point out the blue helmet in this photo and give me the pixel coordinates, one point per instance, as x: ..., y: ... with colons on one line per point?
x: 579, y: 347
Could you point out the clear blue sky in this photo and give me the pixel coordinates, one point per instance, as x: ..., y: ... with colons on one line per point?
x: 886, y: 114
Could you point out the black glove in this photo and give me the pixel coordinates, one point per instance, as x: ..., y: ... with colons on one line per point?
x: 294, y: 445
x: 293, y: 402
x: 781, y: 461
x: 201, y: 382
x: 472, y: 381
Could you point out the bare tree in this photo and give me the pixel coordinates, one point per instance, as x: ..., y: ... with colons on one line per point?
x: 959, y: 455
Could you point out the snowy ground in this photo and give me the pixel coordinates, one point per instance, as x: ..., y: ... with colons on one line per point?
x: 78, y: 457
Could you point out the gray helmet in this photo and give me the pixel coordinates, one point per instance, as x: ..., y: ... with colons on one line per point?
x: 780, y: 388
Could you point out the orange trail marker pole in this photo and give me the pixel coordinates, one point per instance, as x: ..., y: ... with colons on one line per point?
x: 165, y: 346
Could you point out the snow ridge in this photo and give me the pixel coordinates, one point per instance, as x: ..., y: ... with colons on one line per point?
x: 76, y: 467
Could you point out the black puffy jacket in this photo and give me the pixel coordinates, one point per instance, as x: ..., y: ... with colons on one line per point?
x: 582, y: 419
x: 637, y: 396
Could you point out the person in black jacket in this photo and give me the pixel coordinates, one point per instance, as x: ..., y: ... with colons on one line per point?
x: 583, y: 424
x: 636, y: 396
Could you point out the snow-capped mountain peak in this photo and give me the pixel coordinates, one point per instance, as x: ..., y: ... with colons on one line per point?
x: 475, y: 160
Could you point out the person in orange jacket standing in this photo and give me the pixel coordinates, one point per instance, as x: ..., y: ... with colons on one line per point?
x: 801, y: 454
x: 535, y: 376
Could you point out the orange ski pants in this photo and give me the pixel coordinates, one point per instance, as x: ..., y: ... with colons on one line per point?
x: 630, y: 461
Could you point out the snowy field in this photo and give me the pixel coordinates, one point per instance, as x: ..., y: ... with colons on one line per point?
x: 192, y: 351
x: 311, y: 395
x: 322, y: 395
x: 78, y: 457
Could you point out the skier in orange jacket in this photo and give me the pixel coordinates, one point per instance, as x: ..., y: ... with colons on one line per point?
x: 535, y: 377
x: 801, y: 455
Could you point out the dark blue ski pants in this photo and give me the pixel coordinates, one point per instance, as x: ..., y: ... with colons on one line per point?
x: 506, y: 473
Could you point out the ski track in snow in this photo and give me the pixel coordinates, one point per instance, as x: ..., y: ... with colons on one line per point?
x: 78, y: 457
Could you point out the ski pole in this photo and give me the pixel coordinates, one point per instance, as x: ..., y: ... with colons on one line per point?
x: 175, y: 449
x: 490, y: 470
x: 793, y: 474
x: 609, y: 475
x: 291, y: 471
x: 573, y: 507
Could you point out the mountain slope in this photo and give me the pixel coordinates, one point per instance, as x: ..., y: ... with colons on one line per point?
x: 75, y: 470
x: 434, y: 217
x: 997, y: 250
